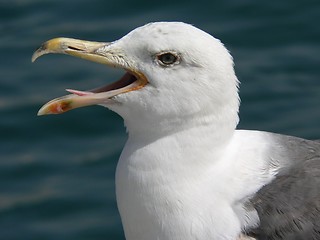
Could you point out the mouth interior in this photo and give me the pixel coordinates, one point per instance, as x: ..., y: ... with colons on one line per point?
x: 127, y: 79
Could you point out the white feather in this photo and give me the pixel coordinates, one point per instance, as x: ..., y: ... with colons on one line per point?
x: 185, y: 172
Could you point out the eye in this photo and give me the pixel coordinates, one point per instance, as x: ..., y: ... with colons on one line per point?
x: 168, y: 58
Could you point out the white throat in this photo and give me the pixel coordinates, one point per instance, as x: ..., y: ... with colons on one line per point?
x: 156, y: 187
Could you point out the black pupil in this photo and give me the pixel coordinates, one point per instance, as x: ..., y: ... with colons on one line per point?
x: 168, y: 58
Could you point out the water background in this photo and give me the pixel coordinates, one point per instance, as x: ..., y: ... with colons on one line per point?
x: 57, y: 172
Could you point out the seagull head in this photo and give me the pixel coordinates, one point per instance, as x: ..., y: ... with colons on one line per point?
x: 173, y: 72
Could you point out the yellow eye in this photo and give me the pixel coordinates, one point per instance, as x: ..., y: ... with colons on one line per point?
x: 167, y: 58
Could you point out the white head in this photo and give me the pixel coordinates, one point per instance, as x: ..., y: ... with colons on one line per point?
x: 177, y: 75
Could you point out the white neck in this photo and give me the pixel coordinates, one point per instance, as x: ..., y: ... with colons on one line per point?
x: 150, y: 180
x: 219, y: 126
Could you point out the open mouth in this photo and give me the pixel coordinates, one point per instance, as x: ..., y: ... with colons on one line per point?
x: 132, y: 80
x: 126, y: 80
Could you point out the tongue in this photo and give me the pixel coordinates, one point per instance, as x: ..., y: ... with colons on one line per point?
x: 79, y: 93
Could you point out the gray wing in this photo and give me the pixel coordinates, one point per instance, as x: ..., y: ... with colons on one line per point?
x: 289, y: 207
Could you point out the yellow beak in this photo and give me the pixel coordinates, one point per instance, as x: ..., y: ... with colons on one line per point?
x: 94, y: 51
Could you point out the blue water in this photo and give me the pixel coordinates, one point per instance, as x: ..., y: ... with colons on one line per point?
x: 57, y: 172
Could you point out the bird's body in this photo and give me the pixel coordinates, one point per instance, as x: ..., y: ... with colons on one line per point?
x: 186, y: 172
x: 214, y: 196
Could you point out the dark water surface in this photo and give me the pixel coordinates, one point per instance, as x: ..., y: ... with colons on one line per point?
x: 57, y: 172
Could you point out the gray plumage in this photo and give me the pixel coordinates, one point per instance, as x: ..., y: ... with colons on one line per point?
x: 289, y: 207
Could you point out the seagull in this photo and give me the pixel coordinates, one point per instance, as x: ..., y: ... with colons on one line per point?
x: 186, y: 172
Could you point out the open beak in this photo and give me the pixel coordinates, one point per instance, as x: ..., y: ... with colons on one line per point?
x: 97, y: 52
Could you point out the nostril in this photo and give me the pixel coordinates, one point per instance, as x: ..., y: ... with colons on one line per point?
x: 74, y: 48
